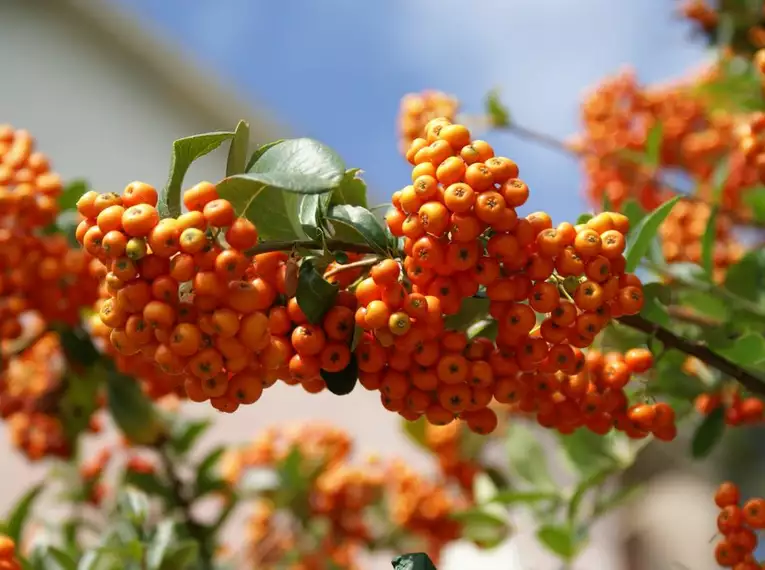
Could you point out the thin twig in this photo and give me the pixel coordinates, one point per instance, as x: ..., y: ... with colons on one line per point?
x: 369, y: 262
x: 703, y: 353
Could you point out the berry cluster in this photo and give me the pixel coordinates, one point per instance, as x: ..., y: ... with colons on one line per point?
x: 739, y: 409
x: 738, y: 525
x: 8, y: 560
x: 417, y: 109
x: 461, y: 234
x: 342, y: 494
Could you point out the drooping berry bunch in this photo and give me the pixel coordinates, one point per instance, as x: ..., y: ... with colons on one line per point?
x: 739, y: 525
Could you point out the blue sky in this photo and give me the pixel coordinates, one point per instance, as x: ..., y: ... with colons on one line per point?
x: 335, y: 69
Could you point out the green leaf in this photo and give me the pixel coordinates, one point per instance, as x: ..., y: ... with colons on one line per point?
x: 587, y: 452
x: 499, y: 115
x: 486, y: 328
x: 747, y: 277
x: 352, y: 190
x: 634, y: 212
x: 719, y: 177
x: 616, y: 499
x: 181, y: 556
x: 62, y: 559
x: 530, y: 497
x: 527, y: 457
x: 472, y: 309
x: 260, y: 151
x: 185, y: 152
x: 208, y: 480
x: 132, y: 411
x: 414, y: 561
x: 755, y: 199
x: 415, y: 431
x: 584, y: 218
x: 747, y: 350
x: 560, y: 540
x: 343, y: 382
x: 704, y: 303
x: 597, y: 479
x: 186, y: 433
x: 311, y: 214
x: 670, y: 379
x: 149, y: 483
x: 134, y: 505
x: 279, y: 176
x: 484, y: 489
x: 68, y: 199
x: 78, y: 346
x: 357, y: 225
x: 483, y: 527
x: 643, y: 234
x: 237, y: 152
x: 708, y: 433
x: 78, y: 402
x: 315, y: 295
x: 653, y: 144
x: 17, y: 518
x: 708, y: 243
x: 162, y: 540
x: 655, y: 295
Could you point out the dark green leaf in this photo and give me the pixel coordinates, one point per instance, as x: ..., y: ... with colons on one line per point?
x: 755, y: 199
x: 64, y: 561
x: 78, y: 346
x: 78, y: 402
x: 357, y: 225
x: 186, y: 433
x: 498, y: 113
x: 643, y: 234
x: 414, y: 561
x: 747, y: 350
x: 483, y: 527
x: 358, y: 333
x: 149, y: 483
x: 471, y: 310
x: 708, y: 433
x: 72, y: 192
x: 671, y: 380
x: 237, y: 152
x: 259, y: 152
x: 527, y: 458
x: 558, y: 539
x: 584, y: 218
x: 655, y: 295
x: 315, y: 295
x: 17, y: 518
x: 132, y: 411
x: 708, y: 243
x: 185, y: 152
x: 207, y: 480
x: 634, y: 212
x: 352, y: 190
x: 415, y: 431
x: 514, y: 497
x: 747, y: 277
x: 653, y: 144
x: 181, y: 556
x: 343, y: 382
